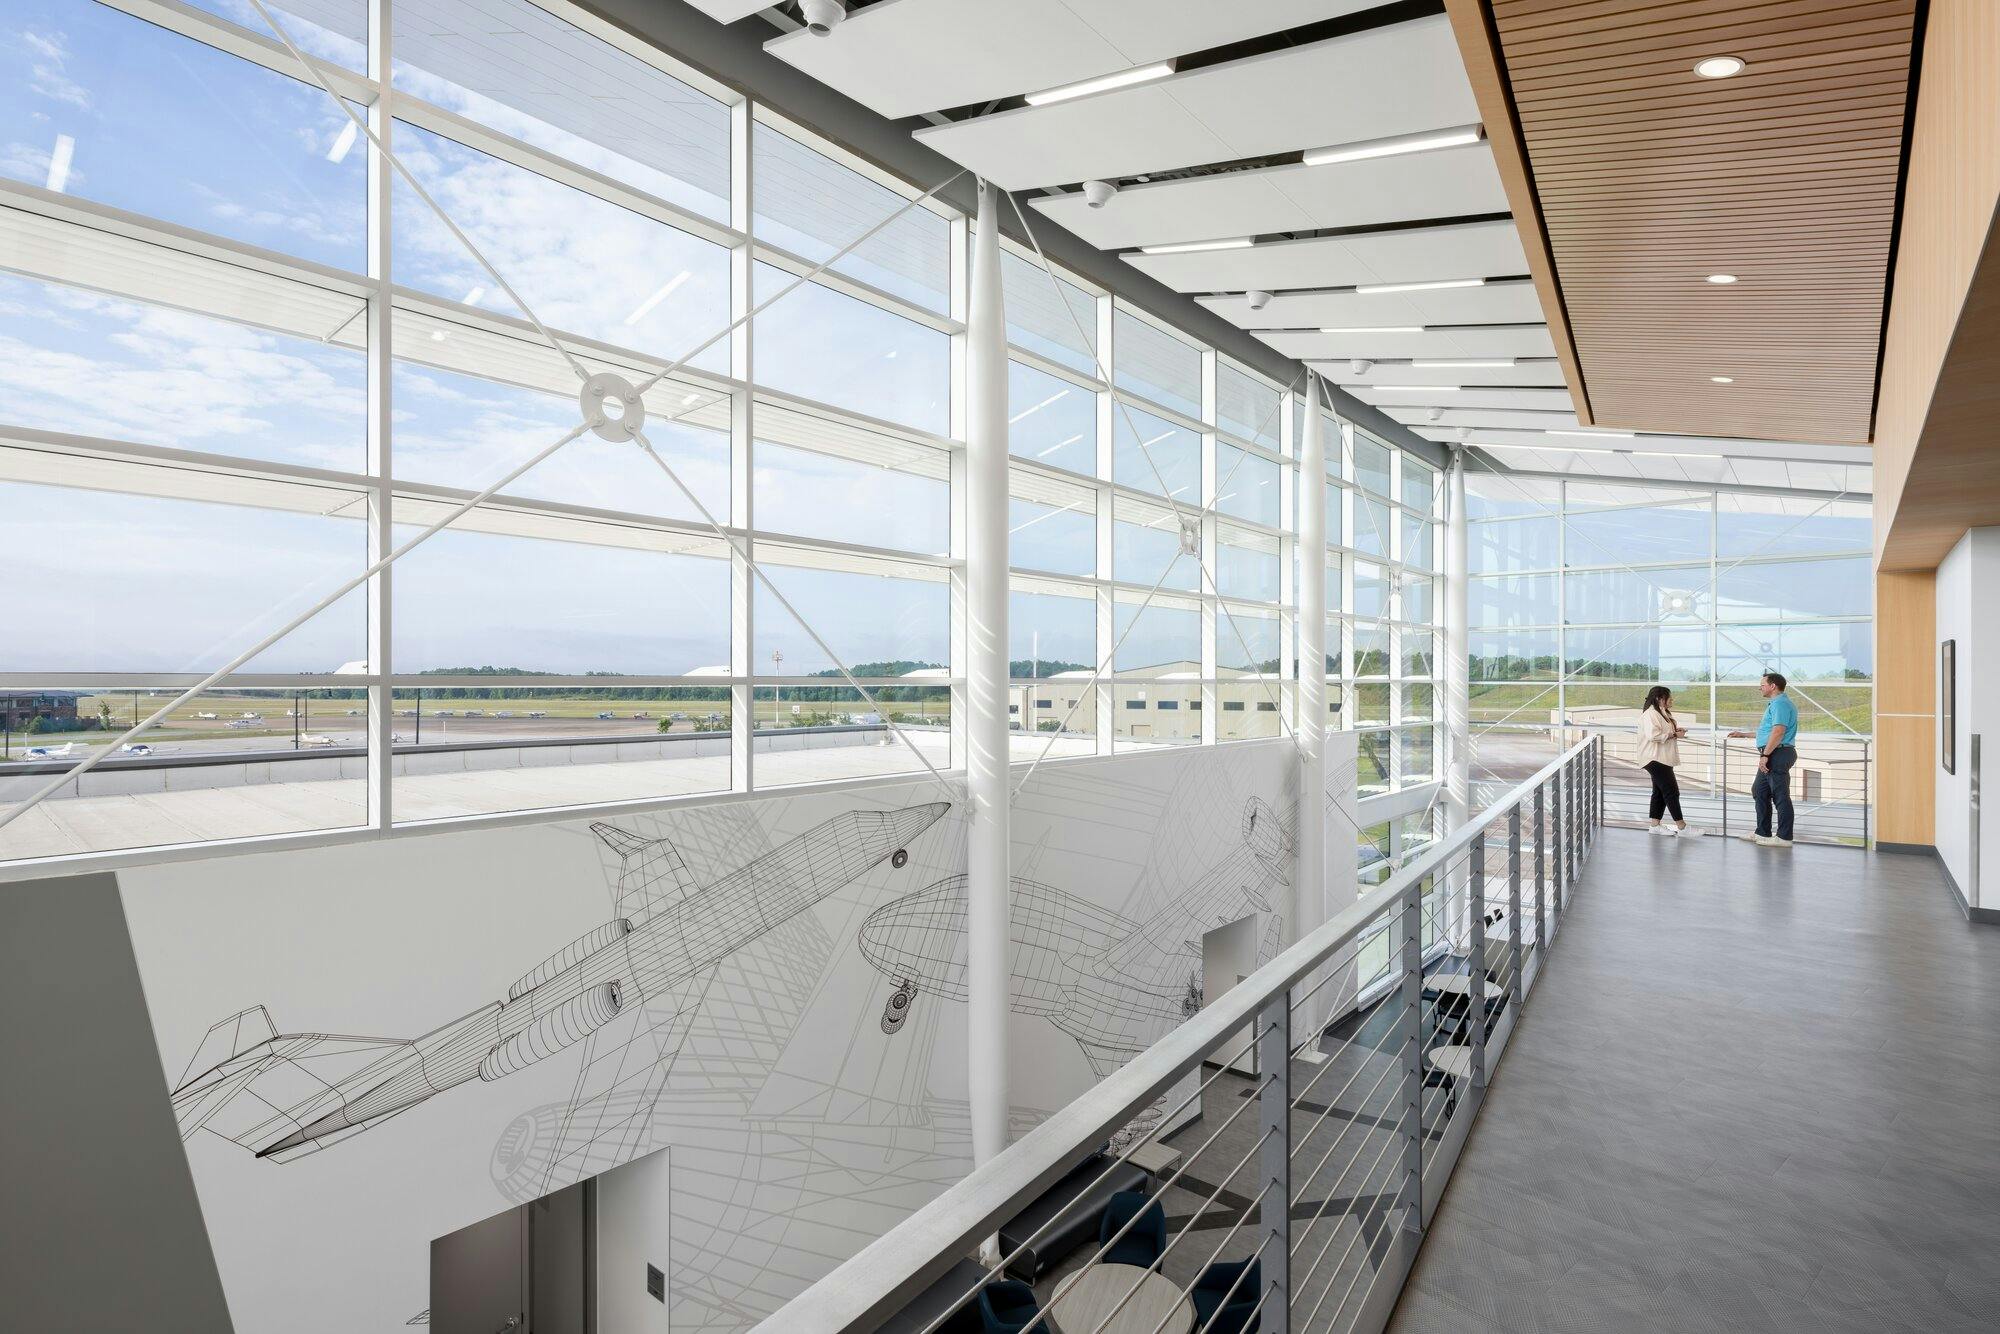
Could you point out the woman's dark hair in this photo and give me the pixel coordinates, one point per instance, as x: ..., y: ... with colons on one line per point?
x: 1656, y: 699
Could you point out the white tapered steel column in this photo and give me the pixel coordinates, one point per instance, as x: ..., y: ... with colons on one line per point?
x: 987, y: 886
x: 1309, y: 907
x: 1457, y: 639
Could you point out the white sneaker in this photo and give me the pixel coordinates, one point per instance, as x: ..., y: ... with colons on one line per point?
x: 1773, y: 842
x: 1689, y: 831
x: 1665, y: 831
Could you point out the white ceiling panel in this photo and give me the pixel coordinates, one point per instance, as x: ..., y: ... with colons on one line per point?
x: 905, y: 57
x: 1505, y: 303
x: 1543, y: 373
x: 1367, y: 85
x: 1542, y: 400
x: 728, y: 11
x: 1418, y: 254
x: 1443, y: 183
x: 1418, y: 414
x: 1497, y: 341
x: 1767, y: 450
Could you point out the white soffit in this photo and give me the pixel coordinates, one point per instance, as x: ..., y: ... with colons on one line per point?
x: 1496, y: 341
x: 1415, y: 254
x: 1721, y: 447
x: 1547, y: 374
x: 728, y: 11
x: 1417, y: 414
x: 1367, y: 85
x: 1440, y: 183
x: 904, y: 57
x: 1483, y: 396
x: 1505, y: 303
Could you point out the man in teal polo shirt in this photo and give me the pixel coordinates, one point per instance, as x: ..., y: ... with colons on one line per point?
x: 1776, y: 754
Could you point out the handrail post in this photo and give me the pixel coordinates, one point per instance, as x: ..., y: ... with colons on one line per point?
x: 1578, y: 795
x: 1554, y: 836
x: 1723, y: 746
x: 1475, y: 987
x: 1514, y: 899
x: 1274, y: 1109
x: 1541, y: 886
x: 1413, y: 1056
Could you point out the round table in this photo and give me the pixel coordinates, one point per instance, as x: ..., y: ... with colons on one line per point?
x: 1084, y: 1300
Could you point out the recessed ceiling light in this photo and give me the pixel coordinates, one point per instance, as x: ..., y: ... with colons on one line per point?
x: 1124, y: 78
x: 1722, y: 379
x: 1718, y: 67
x: 1189, y: 247
x: 1370, y: 289
x: 1722, y: 279
x: 1391, y: 147
x: 1379, y: 328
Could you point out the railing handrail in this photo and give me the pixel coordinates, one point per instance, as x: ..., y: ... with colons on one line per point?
x: 878, y: 1280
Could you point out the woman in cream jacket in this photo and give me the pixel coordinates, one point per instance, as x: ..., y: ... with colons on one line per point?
x: 1659, y: 753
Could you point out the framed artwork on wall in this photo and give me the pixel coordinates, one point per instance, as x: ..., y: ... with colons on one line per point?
x: 1948, y: 705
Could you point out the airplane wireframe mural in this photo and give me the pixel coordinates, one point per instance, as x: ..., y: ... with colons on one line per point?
x: 625, y: 993
x: 1114, y: 985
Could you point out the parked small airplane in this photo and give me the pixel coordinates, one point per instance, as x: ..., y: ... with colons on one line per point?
x: 633, y: 985
x: 62, y: 752
x: 1115, y: 985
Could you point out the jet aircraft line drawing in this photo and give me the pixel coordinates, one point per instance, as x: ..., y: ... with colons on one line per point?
x: 625, y: 993
x: 1114, y: 985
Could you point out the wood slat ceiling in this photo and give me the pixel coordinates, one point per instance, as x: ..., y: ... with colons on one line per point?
x: 1649, y: 178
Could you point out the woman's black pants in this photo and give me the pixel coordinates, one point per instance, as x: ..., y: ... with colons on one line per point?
x: 1666, y: 791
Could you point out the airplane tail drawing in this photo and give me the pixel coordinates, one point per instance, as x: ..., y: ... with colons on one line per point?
x: 261, y: 1089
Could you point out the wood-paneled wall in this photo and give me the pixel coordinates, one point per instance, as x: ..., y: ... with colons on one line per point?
x: 1906, y: 707
x: 1937, y: 435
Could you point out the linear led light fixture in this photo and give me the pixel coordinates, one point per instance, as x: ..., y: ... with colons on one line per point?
x: 1421, y: 142
x: 1464, y: 363
x: 1418, y: 388
x: 1378, y: 328
x: 1373, y: 289
x: 1124, y: 78
x: 1598, y: 435
x: 1190, y: 247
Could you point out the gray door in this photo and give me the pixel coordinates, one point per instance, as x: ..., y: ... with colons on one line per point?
x: 479, y: 1277
x: 558, y: 1264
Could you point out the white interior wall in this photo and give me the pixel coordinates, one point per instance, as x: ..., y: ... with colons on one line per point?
x: 1968, y: 610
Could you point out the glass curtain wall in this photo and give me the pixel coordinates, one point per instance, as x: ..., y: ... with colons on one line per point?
x: 243, y: 360
x: 1586, y: 593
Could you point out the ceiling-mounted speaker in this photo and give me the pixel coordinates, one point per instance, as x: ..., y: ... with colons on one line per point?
x: 1258, y: 300
x: 1098, y: 193
x: 822, y: 16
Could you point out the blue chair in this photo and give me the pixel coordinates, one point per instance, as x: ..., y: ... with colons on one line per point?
x: 1240, y: 1315
x: 1009, y: 1307
x: 1146, y: 1241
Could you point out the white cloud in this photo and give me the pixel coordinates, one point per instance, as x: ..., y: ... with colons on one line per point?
x: 47, y: 75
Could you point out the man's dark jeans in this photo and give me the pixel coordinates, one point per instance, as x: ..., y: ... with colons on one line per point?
x: 1774, y: 789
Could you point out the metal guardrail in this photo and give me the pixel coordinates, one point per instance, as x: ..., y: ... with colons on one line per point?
x: 1832, y: 797
x: 1296, y: 1168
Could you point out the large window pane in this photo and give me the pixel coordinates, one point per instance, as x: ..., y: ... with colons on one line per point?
x: 492, y: 61
x: 1801, y: 651
x: 1053, y: 319
x: 833, y: 348
x: 1753, y: 525
x: 1419, y: 542
x: 1634, y: 534
x: 813, y: 206
x: 1155, y: 364
x: 124, y: 569
x: 1162, y: 458
x: 1248, y: 485
x: 1051, y: 525
x: 1514, y: 544
x: 1146, y: 547
x: 1163, y: 636
x: 1050, y: 631
x: 881, y: 623
x: 1051, y: 420
x: 337, y: 29
x: 1374, y: 526
x: 465, y: 431
x: 1639, y: 653
x: 1512, y: 600
x: 1625, y: 596
x: 1246, y: 564
x: 1247, y: 640
x: 818, y: 734
x: 1512, y: 655
x: 589, y: 598
x: 85, y: 364
x: 855, y: 487
x: 107, y: 107
x: 1246, y: 407
x: 1371, y: 464
x: 554, y: 245
x: 1795, y: 590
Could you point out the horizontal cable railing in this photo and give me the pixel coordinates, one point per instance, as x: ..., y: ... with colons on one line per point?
x: 1273, y: 1162
x: 1829, y: 783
